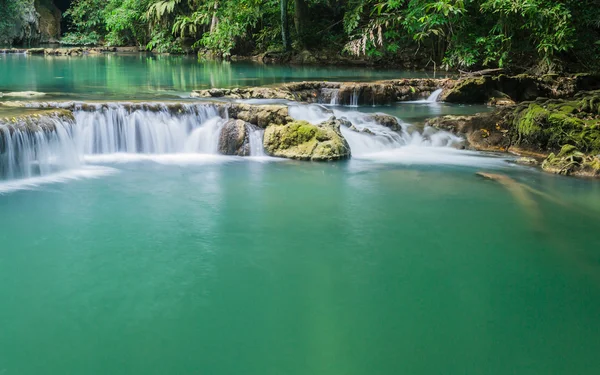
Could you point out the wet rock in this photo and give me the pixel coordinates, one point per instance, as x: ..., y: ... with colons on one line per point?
x: 388, y: 121
x: 524, y: 160
x: 349, y: 93
x: 304, y: 141
x: 482, y: 131
x: 235, y: 138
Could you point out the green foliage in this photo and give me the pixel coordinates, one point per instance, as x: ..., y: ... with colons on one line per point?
x: 542, y: 35
x: 13, y: 12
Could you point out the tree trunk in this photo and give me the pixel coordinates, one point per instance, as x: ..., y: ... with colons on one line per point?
x: 285, y: 28
x: 300, y: 17
x: 215, y: 20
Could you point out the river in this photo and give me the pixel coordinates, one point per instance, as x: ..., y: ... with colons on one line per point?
x: 146, y: 255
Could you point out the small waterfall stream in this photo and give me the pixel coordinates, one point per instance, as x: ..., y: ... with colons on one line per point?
x: 433, y: 98
x: 27, y: 151
x: 101, y: 130
x: 368, y: 136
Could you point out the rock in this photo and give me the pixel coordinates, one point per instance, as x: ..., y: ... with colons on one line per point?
x: 260, y: 115
x: 49, y: 21
x: 304, y: 58
x: 570, y: 161
x: 385, y: 120
x: 366, y: 93
x: 482, y: 131
x: 500, y: 99
x: 304, y: 141
x: 216, y: 93
x: 524, y: 160
x: 369, y: 93
x: 31, y: 22
x: 235, y: 138
x: 469, y: 90
x: 504, y: 89
x: 549, y: 124
x: 36, y: 51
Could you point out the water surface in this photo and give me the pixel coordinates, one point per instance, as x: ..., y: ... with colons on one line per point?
x: 145, y: 252
x: 146, y: 76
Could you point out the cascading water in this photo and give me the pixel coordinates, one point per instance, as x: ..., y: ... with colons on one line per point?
x: 354, y: 98
x: 433, y: 98
x: 367, y: 136
x: 157, y: 130
x: 28, y: 150
x: 256, y: 142
x: 335, y: 97
x: 107, y: 132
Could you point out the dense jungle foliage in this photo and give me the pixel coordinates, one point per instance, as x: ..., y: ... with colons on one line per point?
x: 542, y: 35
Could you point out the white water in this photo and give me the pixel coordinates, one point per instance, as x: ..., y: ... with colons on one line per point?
x: 112, y: 133
x: 189, y: 134
x: 378, y: 138
x: 256, y: 142
x: 86, y: 172
x: 25, y: 154
x: 434, y: 96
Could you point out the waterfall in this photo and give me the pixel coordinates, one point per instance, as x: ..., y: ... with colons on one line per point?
x: 434, y: 96
x: 256, y: 142
x: 366, y: 136
x: 354, y: 98
x: 158, y: 130
x: 47, y: 144
x: 335, y: 100
x: 29, y: 149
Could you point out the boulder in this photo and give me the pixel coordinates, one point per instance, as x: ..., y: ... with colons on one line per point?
x: 260, y: 115
x: 385, y: 120
x: 483, y: 132
x: 304, y: 141
x: 235, y: 138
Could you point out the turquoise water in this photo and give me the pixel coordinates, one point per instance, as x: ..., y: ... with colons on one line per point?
x: 402, y: 261
x: 142, y: 76
x: 231, y: 267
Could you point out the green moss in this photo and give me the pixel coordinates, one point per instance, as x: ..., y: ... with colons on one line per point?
x: 305, y: 141
x: 528, y: 122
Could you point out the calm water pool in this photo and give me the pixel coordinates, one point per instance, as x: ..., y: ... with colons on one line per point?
x: 143, y: 76
x: 401, y: 261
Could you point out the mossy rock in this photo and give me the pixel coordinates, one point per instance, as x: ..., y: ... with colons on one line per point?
x: 570, y: 161
x: 550, y: 124
x: 304, y: 141
x: 470, y: 90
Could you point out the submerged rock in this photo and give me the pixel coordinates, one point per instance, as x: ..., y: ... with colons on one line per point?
x: 304, y: 141
x: 235, y: 138
x: 22, y: 94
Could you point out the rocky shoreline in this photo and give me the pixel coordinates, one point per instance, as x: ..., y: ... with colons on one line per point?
x: 68, y: 51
